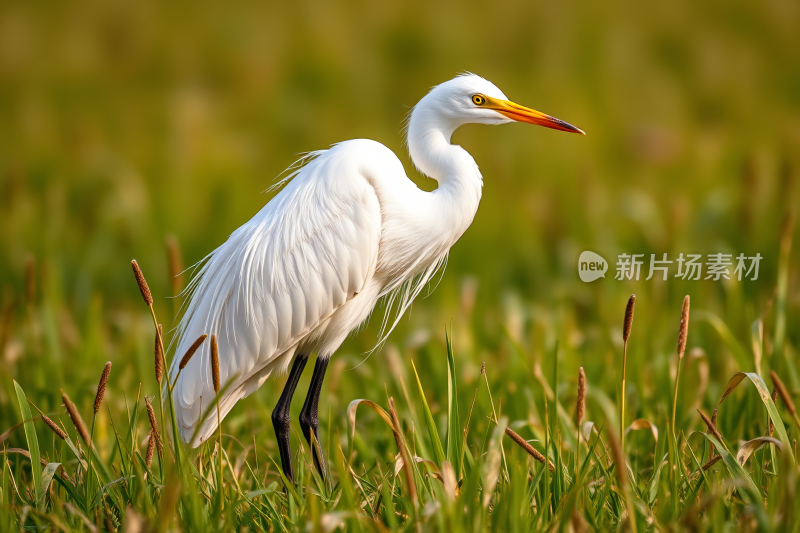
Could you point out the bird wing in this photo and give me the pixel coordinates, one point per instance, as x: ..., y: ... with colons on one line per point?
x: 309, y: 250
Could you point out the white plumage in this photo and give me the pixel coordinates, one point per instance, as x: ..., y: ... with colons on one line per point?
x: 348, y: 228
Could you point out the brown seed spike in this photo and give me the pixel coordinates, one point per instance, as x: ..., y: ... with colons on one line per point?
x: 215, y: 363
x: 101, y: 387
x: 142, y: 283
x: 151, y: 414
x: 190, y: 352
x: 626, y: 327
x: 159, y: 365
x: 711, y: 427
x: 151, y: 448
x: 784, y: 394
x: 711, y: 462
x: 683, y: 333
x: 533, y: 452
x: 52, y: 425
x: 581, y: 396
x: 77, y: 421
x: 714, y: 423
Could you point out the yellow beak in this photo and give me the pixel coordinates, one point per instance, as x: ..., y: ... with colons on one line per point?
x: 531, y: 116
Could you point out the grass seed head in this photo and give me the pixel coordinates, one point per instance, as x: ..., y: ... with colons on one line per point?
x: 683, y: 332
x: 101, y: 387
x: 782, y: 392
x: 159, y: 364
x: 77, y: 421
x: 142, y: 283
x: 215, y: 363
x: 52, y: 425
x: 626, y: 326
x: 190, y: 352
x: 151, y: 448
x: 533, y: 452
x: 581, y: 396
x: 151, y: 414
x: 711, y: 427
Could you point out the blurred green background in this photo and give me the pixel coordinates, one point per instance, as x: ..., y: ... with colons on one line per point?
x: 124, y: 123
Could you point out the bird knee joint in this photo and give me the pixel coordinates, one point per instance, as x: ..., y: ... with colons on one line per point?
x: 306, y: 422
x: 280, y: 421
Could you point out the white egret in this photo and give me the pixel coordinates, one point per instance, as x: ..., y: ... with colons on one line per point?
x: 348, y: 228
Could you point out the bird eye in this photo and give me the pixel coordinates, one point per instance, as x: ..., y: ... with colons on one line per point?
x: 478, y: 99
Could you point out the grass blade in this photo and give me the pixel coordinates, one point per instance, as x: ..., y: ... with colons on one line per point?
x: 766, y: 399
x: 454, y: 440
x: 47, y: 478
x: 33, y: 444
x: 748, y: 489
x: 438, y: 451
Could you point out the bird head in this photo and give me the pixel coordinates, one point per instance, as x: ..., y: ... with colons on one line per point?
x: 471, y: 99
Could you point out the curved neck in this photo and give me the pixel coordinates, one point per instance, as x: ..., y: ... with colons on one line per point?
x: 428, y: 140
x: 454, y: 203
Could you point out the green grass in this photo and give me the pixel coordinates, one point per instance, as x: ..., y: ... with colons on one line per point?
x: 430, y: 461
x: 127, y: 123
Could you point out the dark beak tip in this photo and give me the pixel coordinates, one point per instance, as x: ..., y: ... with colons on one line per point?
x: 566, y: 126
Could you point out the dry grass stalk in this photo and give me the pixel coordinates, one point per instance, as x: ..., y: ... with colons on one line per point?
x: 159, y: 365
x: 711, y: 427
x: 784, y: 394
x: 533, y: 452
x: 775, y: 402
x: 154, y: 426
x: 101, y: 387
x: 683, y: 332
x: 714, y: 422
x: 109, y: 520
x: 151, y: 448
x: 407, y: 470
x: 142, y: 283
x: 77, y: 421
x: 627, y: 324
x: 616, y: 452
x: 192, y: 349
x: 711, y: 462
x: 581, y: 409
x: 215, y: 363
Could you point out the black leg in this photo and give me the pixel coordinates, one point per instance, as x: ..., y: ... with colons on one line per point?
x: 281, y: 416
x: 309, y: 418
